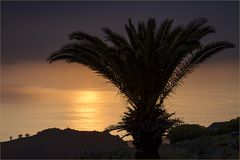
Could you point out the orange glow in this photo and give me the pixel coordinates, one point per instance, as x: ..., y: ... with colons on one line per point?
x: 40, y: 96
x: 87, y: 97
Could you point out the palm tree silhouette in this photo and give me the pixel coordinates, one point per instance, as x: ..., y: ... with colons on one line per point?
x: 146, y: 68
x: 20, y: 136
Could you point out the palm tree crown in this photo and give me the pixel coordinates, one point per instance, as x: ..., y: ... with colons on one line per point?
x: 146, y: 67
x: 150, y: 64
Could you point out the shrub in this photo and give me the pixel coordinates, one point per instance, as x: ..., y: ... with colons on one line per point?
x: 186, y: 132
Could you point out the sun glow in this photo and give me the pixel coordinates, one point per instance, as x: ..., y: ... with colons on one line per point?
x: 87, y: 97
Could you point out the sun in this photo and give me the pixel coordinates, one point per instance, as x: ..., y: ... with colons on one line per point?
x: 87, y: 97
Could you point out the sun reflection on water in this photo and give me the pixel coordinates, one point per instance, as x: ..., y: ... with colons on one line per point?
x: 87, y: 97
x: 87, y: 105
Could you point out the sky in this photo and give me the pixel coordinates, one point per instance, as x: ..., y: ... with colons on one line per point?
x: 36, y: 95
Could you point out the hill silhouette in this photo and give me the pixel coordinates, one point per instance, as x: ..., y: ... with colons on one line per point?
x: 68, y: 143
x: 54, y: 143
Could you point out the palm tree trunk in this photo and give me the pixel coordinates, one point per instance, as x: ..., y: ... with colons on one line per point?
x: 147, y: 146
x: 147, y: 153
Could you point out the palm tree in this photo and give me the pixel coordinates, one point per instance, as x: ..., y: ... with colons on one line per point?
x: 27, y: 135
x: 146, y: 68
x: 20, y: 136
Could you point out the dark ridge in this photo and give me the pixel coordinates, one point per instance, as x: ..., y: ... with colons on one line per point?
x: 55, y: 143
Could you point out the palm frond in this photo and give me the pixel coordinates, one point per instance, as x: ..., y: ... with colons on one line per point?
x: 191, y: 62
x: 117, y: 39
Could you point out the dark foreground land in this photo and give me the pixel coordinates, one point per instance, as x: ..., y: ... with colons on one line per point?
x: 209, y: 147
x: 68, y: 143
x: 71, y: 144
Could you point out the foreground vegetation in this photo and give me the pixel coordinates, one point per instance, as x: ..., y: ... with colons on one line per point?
x: 191, y: 141
x: 191, y: 131
x: 208, y: 147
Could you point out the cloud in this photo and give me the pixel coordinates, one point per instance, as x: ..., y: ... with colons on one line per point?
x: 33, y: 30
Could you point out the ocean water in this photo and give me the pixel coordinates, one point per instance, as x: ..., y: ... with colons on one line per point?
x: 96, y: 110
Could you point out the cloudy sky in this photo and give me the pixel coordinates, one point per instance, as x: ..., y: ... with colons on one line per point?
x: 40, y: 95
